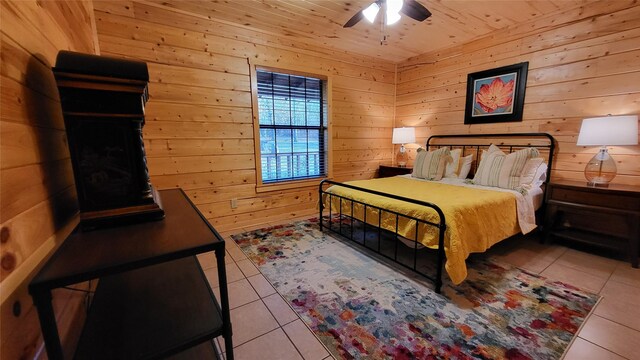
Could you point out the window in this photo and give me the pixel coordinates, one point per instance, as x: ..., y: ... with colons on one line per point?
x: 293, y: 131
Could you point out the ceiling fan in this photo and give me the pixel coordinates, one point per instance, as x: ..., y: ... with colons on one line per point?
x: 411, y: 8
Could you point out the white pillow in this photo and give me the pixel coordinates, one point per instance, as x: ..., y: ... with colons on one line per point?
x: 465, y: 166
x: 453, y: 166
x: 460, y: 166
x: 431, y: 165
x: 529, y: 171
x: 541, y: 175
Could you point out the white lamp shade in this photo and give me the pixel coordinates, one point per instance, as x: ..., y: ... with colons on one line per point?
x: 404, y: 135
x: 609, y: 130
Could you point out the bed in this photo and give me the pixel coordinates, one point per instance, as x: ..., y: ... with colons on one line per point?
x: 452, y: 217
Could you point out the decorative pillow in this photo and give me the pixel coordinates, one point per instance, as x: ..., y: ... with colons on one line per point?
x: 453, y: 166
x: 431, y: 165
x: 533, y: 174
x: 529, y: 171
x: 492, y: 148
x: 513, y: 165
x: 501, y: 170
x: 465, y: 166
x: 417, y: 163
x: 486, y: 163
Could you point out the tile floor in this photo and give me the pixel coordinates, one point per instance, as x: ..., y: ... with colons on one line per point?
x: 265, y: 327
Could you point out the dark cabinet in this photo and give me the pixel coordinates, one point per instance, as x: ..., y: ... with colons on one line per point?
x: 605, y: 217
x: 388, y: 171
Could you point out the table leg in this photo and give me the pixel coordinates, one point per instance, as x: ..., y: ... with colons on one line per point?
x: 42, y: 300
x: 224, y: 303
x: 634, y: 239
x: 549, y: 221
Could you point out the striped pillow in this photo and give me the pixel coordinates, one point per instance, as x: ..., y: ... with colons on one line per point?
x: 431, y: 165
x: 501, y: 170
x: 489, y: 169
x: 513, y: 166
x: 481, y: 176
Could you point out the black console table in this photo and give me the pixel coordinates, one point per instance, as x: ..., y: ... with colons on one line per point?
x: 153, y: 300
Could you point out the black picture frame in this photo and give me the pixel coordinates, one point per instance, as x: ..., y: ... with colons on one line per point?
x: 491, y: 97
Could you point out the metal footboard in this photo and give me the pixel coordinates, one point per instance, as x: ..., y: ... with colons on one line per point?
x: 439, y: 226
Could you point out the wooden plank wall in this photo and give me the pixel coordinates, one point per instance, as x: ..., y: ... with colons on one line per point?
x: 583, y: 62
x: 38, y: 204
x: 199, y: 130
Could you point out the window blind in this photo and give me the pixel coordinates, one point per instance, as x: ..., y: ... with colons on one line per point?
x: 291, y: 116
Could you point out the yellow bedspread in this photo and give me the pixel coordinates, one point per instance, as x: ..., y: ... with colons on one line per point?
x: 475, y: 218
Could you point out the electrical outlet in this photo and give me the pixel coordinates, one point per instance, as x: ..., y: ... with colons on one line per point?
x: 234, y: 203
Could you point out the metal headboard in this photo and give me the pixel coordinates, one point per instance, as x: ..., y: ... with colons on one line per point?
x: 512, y: 141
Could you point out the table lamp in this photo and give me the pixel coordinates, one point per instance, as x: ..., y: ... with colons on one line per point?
x: 603, y: 131
x: 403, y: 135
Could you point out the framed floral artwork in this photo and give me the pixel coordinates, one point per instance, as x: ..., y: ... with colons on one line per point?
x: 496, y: 95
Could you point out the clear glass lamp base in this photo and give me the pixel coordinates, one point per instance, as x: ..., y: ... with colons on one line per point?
x: 601, y: 169
x: 402, y: 157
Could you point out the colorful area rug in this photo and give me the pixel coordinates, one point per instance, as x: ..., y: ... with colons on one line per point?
x: 362, y: 308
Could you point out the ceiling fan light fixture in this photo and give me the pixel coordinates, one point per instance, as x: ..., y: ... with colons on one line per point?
x: 392, y: 11
x: 370, y: 12
x: 392, y: 17
x: 394, y: 6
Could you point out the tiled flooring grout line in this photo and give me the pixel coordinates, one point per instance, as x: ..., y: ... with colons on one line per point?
x: 608, y: 279
x: 285, y: 334
x: 291, y: 340
x: 615, y: 322
x: 621, y: 283
x: 233, y: 282
x: 609, y: 350
x: 281, y: 326
x: 554, y: 261
x: 244, y: 342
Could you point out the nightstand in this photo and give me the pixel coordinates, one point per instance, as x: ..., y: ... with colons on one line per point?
x: 605, y: 217
x: 388, y: 171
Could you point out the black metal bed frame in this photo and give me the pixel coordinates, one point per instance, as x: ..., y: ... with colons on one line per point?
x: 441, y: 224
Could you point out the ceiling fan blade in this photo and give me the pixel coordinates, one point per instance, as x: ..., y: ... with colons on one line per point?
x: 355, y: 19
x: 415, y: 10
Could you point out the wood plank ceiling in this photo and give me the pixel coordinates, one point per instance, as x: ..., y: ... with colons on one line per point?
x: 320, y: 22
